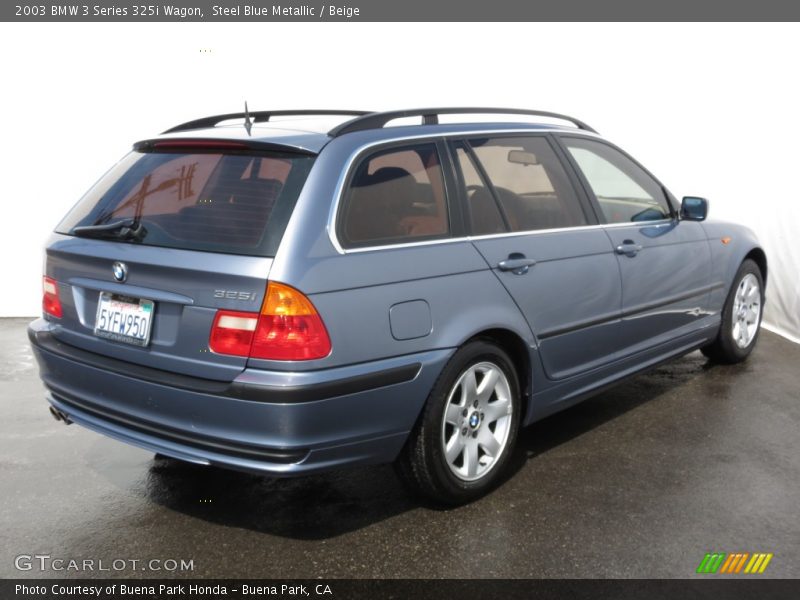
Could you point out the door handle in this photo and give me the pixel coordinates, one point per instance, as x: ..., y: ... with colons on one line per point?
x: 517, y: 263
x: 629, y: 248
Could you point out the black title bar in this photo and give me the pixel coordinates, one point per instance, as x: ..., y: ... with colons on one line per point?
x: 399, y: 10
x: 742, y: 588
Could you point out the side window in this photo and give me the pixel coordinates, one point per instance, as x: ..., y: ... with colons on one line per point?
x: 484, y: 215
x: 530, y: 183
x: 395, y: 196
x: 623, y: 189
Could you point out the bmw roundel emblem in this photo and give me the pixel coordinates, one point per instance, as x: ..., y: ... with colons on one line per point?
x: 120, y: 271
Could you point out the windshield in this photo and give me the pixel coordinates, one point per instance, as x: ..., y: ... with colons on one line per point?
x: 211, y: 201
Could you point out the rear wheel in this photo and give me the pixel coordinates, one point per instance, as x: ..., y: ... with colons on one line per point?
x: 741, y: 317
x: 466, y: 434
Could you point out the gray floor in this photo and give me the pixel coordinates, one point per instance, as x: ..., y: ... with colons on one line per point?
x: 641, y: 481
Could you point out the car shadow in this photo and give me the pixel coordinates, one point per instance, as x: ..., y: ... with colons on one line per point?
x: 331, y: 504
x: 707, y: 379
x: 308, y: 508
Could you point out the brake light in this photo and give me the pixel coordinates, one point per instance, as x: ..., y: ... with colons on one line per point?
x: 51, y: 303
x: 203, y: 144
x: 287, y: 328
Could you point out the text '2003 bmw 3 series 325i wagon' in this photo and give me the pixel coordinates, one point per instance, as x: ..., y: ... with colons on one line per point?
x: 283, y: 299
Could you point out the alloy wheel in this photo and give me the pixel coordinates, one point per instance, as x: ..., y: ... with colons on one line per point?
x: 477, y: 421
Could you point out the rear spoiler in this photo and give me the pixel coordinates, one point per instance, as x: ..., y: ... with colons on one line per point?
x: 215, y: 145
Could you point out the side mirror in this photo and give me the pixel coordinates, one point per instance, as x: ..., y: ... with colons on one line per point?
x: 694, y: 209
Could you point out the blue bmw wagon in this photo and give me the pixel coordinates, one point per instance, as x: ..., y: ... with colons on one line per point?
x: 258, y: 292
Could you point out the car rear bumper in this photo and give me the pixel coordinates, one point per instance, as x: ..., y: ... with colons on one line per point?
x: 274, y: 422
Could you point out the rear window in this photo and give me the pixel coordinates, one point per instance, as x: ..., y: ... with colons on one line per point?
x: 209, y: 201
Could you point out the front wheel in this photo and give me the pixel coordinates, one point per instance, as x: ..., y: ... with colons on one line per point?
x: 466, y: 434
x: 741, y: 317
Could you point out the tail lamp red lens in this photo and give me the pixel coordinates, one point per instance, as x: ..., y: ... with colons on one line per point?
x: 232, y: 332
x: 287, y: 328
x: 51, y: 303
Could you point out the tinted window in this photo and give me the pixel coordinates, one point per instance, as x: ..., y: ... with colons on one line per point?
x: 530, y: 183
x: 396, y: 196
x: 484, y: 215
x: 623, y: 189
x: 224, y: 203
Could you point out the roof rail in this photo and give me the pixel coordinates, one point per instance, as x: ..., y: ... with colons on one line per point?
x: 430, y: 116
x: 261, y: 116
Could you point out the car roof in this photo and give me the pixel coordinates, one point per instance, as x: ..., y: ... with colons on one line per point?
x: 312, y: 133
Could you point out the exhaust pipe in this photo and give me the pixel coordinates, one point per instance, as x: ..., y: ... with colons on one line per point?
x: 60, y: 416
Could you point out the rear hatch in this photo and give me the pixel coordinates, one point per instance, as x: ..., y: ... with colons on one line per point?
x: 174, y: 232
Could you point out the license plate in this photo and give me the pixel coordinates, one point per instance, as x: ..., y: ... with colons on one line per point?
x: 124, y: 319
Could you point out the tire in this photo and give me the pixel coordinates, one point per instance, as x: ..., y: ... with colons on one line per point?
x: 741, y: 317
x: 458, y: 451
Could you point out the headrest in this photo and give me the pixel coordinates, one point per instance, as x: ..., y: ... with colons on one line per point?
x: 387, y: 174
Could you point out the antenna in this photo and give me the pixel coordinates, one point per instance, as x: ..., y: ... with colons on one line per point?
x: 248, y: 124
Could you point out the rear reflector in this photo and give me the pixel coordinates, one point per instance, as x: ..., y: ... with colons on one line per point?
x: 51, y: 303
x: 288, y: 328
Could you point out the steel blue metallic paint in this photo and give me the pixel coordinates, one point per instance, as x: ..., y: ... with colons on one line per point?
x: 582, y: 317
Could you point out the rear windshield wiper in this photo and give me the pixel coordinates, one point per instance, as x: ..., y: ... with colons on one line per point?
x: 124, y: 229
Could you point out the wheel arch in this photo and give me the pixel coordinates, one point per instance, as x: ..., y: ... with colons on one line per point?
x: 758, y: 256
x: 520, y: 355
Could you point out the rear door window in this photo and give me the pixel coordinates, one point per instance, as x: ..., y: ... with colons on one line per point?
x: 395, y: 196
x: 229, y: 203
x: 528, y: 182
x: 482, y: 210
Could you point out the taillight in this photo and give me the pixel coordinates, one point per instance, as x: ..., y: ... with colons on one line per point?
x: 287, y: 328
x: 232, y: 332
x: 51, y: 303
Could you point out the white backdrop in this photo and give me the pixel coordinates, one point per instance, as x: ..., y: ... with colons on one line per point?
x: 710, y: 109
